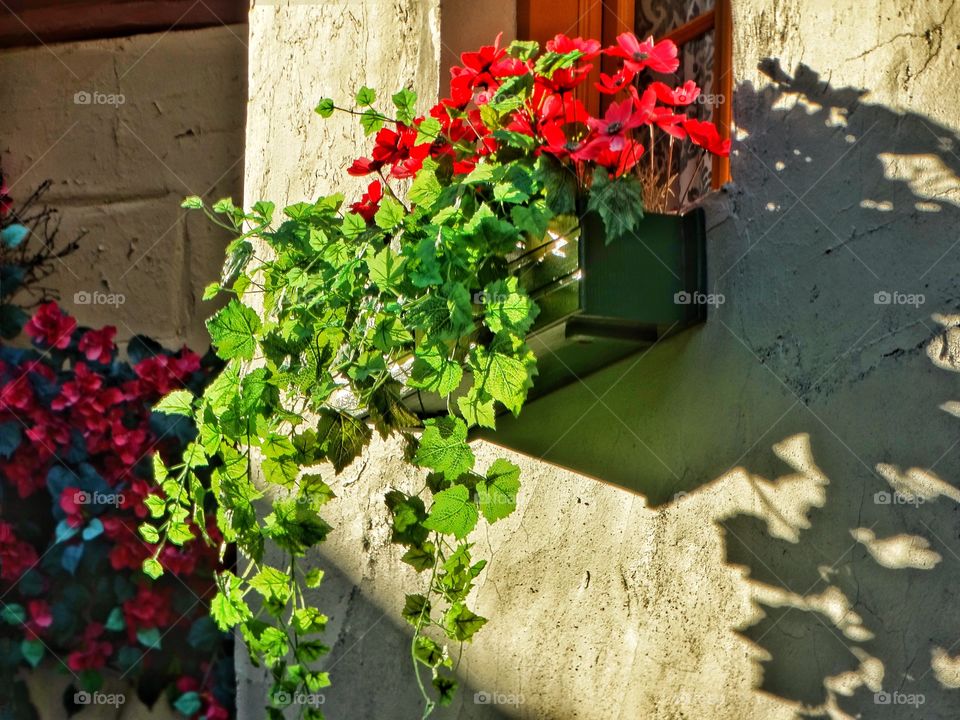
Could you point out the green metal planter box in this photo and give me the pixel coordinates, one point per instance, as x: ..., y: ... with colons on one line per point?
x: 600, y: 303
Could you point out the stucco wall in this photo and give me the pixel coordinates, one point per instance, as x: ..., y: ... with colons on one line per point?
x: 718, y: 548
x: 125, y: 128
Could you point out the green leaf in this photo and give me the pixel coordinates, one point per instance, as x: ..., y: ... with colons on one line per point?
x: 314, y: 578
x: 179, y: 402
x: 416, y: 610
x: 353, y: 225
x: 523, y: 49
x: 115, y: 621
x: 273, y: 584
x: 282, y: 470
x: 452, y: 513
x: 503, y: 377
x: 233, y: 330
x: 619, y: 202
x: 478, y: 408
x: 559, y: 185
x: 150, y: 534
x: 387, y: 269
x: 149, y: 638
x: 188, y: 704
x: 446, y: 688
x: 425, y: 189
x: 548, y: 63
x: 428, y: 131
x: 405, y: 101
x: 507, y: 307
x: 228, y: 607
x: 192, y: 202
x: 152, y: 568
x: 390, y: 214
x: 325, y: 107
x: 419, y: 558
x: 460, y: 623
x: 444, y: 448
x: 342, y: 437
x: 371, y: 121
x: 433, y: 370
x: 366, y: 96
x: 32, y: 651
x: 309, y: 620
x: 13, y: 614
x: 498, y: 493
x: 533, y: 219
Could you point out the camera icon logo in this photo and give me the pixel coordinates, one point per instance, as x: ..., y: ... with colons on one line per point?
x: 81, y: 497
x: 281, y: 698
x: 882, y: 498
x: 682, y: 298
x: 482, y: 698
x: 81, y: 697
x: 882, y: 298
x: 882, y: 698
x: 82, y: 97
x: 82, y: 297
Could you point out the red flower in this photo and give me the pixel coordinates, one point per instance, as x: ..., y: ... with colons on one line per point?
x: 683, y: 95
x: 83, y: 387
x: 98, y: 345
x: 569, y: 78
x: 72, y: 500
x: 370, y: 201
x: 95, y: 653
x: 51, y: 328
x: 398, y: 149
x: 706, y: 135
x: 40, y: 617
x: 612, y: 132
x: 16, y: 556
x: 612, y: 84
x: 660, y: 57
x: 664, y: 118
x: 17, y: 394
x: 148, y: 609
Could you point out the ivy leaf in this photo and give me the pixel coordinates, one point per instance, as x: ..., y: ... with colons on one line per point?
x: 425, y: 189
x: 444, y: 448
x: 507, y: 308
x: 428, y: 131
x: 115, y: 621
x: 405, y: 101
x: 452, y: 513
x: 149, y: 638
x: 371, y: 121
x: 619, y: 202
x: 282, y: 470
x: 366, y: 96
x: 228, y: 607
x: 353, y: 225
x: 419, y: 558
x: 13, y: 614
x: 498, y: 492
x: 386, y: 269
x: 273, y: 584
x: 446, y: 688
x: 433, y: 370
x: 314, y: 578
x: 559, y: 185
x: 193, y: 202
x: 477, y: 408
x: 533, y: 219
x: 523, y: 49
x: 152, y: 568
x: 325, y: 107
x: 460, y: 623
x: 233, y: 330
x: 504, y: 377
x: 342, y: 437
x: 390, y: 214
x: 416, y: 609
x: 179, y: 402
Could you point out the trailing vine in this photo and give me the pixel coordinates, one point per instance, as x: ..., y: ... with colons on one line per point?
x: 340, y: 315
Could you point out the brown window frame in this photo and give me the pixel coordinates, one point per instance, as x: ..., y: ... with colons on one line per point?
x: 542, y: 19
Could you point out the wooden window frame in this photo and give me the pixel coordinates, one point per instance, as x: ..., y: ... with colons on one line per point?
x: 608, y: 18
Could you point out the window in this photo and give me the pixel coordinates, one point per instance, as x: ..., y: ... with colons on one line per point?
x: 702, y: 30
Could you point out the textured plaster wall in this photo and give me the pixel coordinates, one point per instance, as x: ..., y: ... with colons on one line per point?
x: 760, y: 517
x: 165, y: 119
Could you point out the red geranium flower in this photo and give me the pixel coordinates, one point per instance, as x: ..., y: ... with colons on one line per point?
x: 94, y: 654
x: 612, y: 132
x: 660, y: 57
x: 98, y: 345
x: 683, y: 95
x: 706, y: 135
x: 612, y: 84
x: 49, y: 327
x: 369, y: 202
